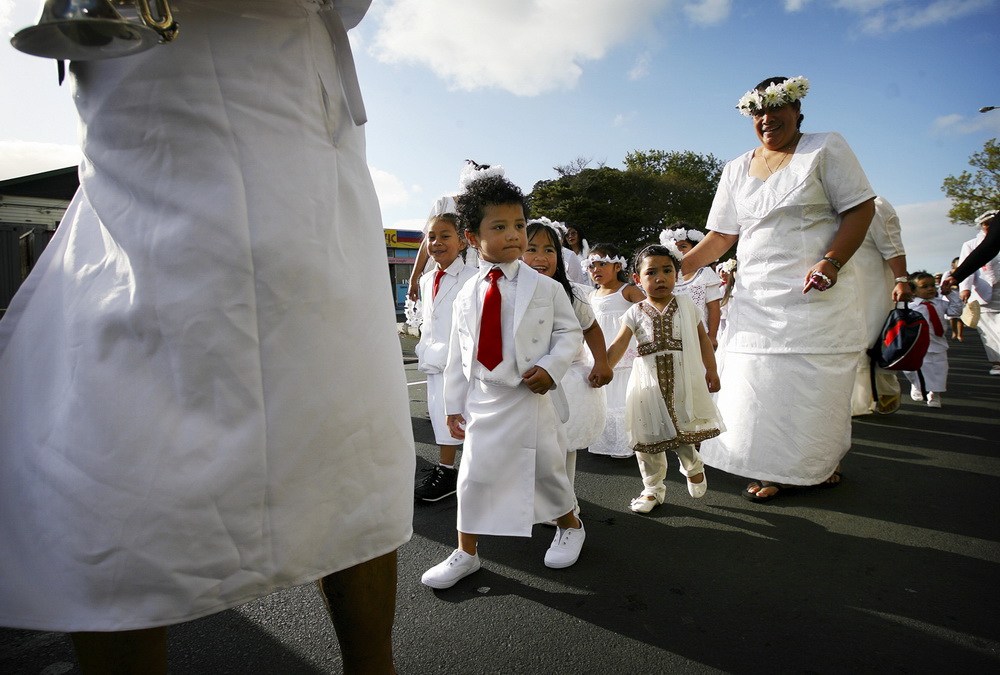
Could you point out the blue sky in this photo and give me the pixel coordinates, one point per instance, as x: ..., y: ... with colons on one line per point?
x: 532, y: 84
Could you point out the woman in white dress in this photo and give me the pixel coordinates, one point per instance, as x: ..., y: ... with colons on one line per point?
x: 799, y: 206
x: 203, y: 392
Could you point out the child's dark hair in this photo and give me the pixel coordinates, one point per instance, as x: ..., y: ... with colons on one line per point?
x: 534, y: 227
x: 610, y: 251
x: 650, y: 251
x: 453, y: 219
x: 918, y: 275
x: 483, y: 192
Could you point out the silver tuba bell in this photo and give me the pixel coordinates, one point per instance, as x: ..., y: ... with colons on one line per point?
x: 86, y: 30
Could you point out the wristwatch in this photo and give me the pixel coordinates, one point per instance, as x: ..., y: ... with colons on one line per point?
x: 901, y: 280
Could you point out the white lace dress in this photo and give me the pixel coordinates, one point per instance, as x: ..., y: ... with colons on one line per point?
x: 608, y: 310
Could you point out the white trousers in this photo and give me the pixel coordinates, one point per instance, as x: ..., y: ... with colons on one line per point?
x: 653, y: 469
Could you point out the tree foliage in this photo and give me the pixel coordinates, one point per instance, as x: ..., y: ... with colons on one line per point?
x: 971, y: 193
x: 629, y: 207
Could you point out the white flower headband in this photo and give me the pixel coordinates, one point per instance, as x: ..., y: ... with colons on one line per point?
x: 675, y: 252
x: 680, y: 234
x: 560, y: 228
x: 472, y: 171
x: 587, y: 262
x: 774, y: 96
x: 728, y: 267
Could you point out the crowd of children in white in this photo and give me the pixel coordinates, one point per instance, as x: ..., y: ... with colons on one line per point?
x: 538, y: 345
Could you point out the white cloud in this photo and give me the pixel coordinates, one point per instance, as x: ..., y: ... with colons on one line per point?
x: 409, y: 224
x: 707, y: 12
x: 930, y: 239
x: 884, y: 16
x: 640, y: 68
x: 974, y: 124
x: 794, y: 5
x: 24, y: 158
x: 621, y: 119
x: 524, y: 46
x: 391, y: 190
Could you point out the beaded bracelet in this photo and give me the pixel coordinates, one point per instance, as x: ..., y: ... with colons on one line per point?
x: 833, y: 261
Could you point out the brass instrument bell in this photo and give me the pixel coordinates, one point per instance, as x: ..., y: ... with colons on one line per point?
x: 87, y: 30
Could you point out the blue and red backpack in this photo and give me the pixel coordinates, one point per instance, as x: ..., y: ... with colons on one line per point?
x: 902, y: 344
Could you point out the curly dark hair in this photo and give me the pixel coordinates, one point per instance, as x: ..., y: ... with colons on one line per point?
x: 483, y: 192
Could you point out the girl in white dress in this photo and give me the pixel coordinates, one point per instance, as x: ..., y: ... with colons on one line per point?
x: 610, y: 300
x: 581, y: 386
x: 669, y: 405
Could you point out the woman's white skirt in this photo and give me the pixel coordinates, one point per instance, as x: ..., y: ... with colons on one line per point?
x: 787, y: 416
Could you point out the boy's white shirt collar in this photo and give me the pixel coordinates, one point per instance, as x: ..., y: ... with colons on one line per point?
x: 509, y: 269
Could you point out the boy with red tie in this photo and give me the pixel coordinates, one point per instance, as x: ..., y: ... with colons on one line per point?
x: 514, y: 335
x: 935, y: 366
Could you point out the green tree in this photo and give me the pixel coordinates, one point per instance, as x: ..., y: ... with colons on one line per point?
x: 629, y: 207
x: 978, y: 191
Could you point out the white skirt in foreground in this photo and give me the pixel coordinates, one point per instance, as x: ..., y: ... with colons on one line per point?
x: 203, y: 398
x: 787, y: 416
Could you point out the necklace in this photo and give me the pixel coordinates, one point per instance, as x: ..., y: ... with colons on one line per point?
x: 770, y: 171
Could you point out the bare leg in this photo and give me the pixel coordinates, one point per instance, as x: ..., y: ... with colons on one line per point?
x: 362, y: 604
x: 468, y: 542
x: 122, y: 652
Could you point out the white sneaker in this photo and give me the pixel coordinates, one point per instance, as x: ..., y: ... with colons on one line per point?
x: 915, y: 393
x: 933, y: 400
x: 995, y: 370
x: 698, y: 490
x: 565, y: 548
x: 447, y: 573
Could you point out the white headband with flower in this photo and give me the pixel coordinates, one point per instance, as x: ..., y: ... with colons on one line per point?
x: 472, y: 171
x: 680, y: 234
x: 774, y: 96
x: 675, y: 252
x: 560, y: 228
x: 728, y: 267
x: 611, y: 260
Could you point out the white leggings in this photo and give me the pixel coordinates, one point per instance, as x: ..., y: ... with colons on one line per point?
x: 653, y: 468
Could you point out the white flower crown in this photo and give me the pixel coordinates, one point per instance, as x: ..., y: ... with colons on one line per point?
x: 680, y: 234
x: 586, y: 262
x: 775, y: 95
x: 675, y: 252
x: 560, y: 228
x: 728, y: 267
x: 986, y: 215
x: 472, y: 171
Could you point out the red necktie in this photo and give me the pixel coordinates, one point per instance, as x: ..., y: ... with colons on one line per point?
x: 490, y: 351
x: 437, y: 283
x: 935, y: 319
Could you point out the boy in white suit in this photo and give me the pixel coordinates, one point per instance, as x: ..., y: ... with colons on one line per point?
x: 514, y: 335
x: 438, y: 289
x: 935, y: 365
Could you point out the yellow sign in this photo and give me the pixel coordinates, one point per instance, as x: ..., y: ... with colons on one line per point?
x: 402, y: 239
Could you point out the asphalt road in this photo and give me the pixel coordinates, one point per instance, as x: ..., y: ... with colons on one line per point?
x: 894, y: 571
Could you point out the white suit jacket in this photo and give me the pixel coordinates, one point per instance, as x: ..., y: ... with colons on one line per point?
x: 435, y: 331
x: 546, y: 332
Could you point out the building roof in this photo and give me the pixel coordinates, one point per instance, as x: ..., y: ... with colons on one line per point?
x: 56, y: 184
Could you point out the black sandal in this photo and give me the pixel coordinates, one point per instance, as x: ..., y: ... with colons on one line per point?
x: 760, y: 485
